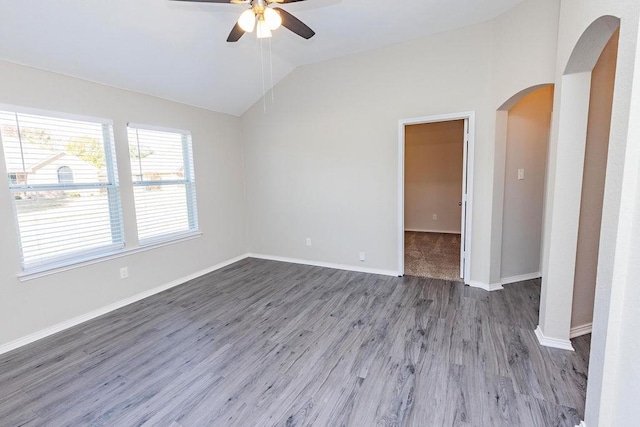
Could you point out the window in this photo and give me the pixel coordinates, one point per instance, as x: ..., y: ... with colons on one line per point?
x: 62, y: 176
x: 65, y: 175
x: 163, y: 180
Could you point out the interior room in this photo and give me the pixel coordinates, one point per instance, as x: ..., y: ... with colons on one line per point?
x: 433, y: 192
x: 205, y: 221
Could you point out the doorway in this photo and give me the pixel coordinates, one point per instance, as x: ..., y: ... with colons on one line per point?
x: 585, y: 114
x: 593, y: 183
x: 525, y: 133
x: 434, y: 203
x: 579, y: 287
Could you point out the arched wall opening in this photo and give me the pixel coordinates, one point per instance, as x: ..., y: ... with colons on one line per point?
x: 522, y: 136
x: 579, y: 119
x: 580, y: 176
x: 593, y: 183
x: 612, y: 380
x: 529, y: 123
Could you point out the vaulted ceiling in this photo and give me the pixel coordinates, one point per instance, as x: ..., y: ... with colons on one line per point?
x: 178, y: 50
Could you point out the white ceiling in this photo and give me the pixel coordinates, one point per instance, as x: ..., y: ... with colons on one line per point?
x: 178, y: 50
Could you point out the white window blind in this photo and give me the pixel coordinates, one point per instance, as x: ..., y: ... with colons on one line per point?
x: 163, y: 183
x: 63, y: 179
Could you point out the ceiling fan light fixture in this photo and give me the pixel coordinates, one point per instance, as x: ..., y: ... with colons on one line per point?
x: 263, y: 17
x: 263, y: 31
x: 273, y: 18
x: 247, y: 20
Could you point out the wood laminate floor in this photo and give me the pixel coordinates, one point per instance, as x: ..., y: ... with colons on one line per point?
x: 263, y: 343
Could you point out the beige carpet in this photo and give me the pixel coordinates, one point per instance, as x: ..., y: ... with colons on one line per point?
x: 435, y: 255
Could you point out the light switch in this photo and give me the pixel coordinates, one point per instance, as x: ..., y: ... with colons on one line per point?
x: 521, y: 174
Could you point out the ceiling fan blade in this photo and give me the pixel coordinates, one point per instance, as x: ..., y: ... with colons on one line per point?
x: 294, y: 24
x: 235, y: 34
x: 207, y: 1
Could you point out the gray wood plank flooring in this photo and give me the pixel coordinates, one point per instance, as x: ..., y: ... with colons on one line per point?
x: 263, y: 343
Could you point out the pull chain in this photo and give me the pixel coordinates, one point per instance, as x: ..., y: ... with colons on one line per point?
x: 271, y: 71
x: 264, y: 101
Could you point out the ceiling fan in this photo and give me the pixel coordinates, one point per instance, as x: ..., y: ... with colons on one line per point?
x: 263, y: 18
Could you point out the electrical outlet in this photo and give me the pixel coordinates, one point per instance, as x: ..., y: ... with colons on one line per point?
x: 520, y: 174
x: 308, y: 241
x: 363, y: 257
x: 435, y: 217
x: 124, y: 272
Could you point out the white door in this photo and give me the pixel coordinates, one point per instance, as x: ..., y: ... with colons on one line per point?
x: 463, y: 203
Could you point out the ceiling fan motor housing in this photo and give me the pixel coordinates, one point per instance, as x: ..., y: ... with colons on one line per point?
x: 265, y: 18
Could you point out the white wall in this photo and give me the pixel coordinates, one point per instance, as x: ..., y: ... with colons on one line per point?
x: 627, y: 384
x: 524, y: 48
x: 524, y: 57
x: 433, y: 176
x: 529, y: 122
x: 595, y: 168
x: 614, y: 372
x: 322, y: 161
x: 27, y: 307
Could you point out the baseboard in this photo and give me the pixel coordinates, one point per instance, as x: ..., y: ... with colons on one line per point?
x: 582, y: 424
x: 581, y: 330
x: 486, y: 286
x: 415, y: 230
x: 28, y: 339
x: 553, y: 342
x: 326, y: 264
x: 521, y: 278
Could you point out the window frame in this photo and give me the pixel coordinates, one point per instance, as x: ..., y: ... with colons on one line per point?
x: 188, y: 181
x: 112, y: 187
x: 65, y: 175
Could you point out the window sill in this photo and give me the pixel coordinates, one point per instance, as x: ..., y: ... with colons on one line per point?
x: 35, y: 273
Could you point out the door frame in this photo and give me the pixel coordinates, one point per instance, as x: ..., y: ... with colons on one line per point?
x: 467, y: 178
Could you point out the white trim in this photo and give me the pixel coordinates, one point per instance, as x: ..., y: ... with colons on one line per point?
x: 521, y: 278
x: 157, y: 128
x: 582, y: 424
x: 581, y: 330
x: 415, y: 230
x: 28, y: 339
x: 401, y: 150
x: 553, y: 342
x: 490, y: 287
x: 54, y: 114
x: 470, y: 116
x: 35, y: 273
x: 326, y: 264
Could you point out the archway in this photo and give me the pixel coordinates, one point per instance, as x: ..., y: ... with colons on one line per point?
x: 565, y: 184
x: 576, y: 120
x: 504, y: 175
